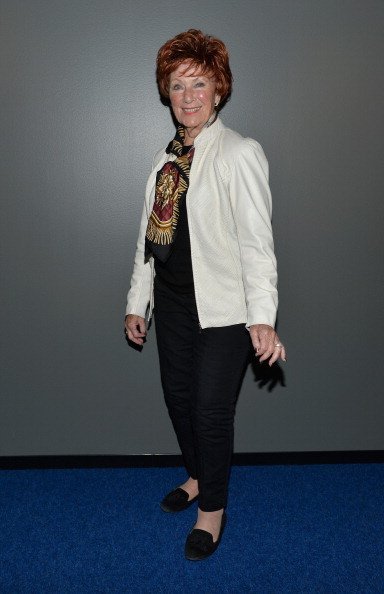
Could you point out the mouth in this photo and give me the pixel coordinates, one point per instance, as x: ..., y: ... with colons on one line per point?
x: 190, y: 109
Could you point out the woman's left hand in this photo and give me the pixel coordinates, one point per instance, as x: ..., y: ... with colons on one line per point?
x: 267, y: 343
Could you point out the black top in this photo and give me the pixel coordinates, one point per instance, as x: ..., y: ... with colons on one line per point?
x: 176, y: 272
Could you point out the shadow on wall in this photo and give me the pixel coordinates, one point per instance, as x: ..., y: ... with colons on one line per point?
x: 266, y: 376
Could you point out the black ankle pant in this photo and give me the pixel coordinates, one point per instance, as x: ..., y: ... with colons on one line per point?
x: 201, y: 373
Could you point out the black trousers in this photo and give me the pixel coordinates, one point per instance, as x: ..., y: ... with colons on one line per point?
x: 201, y: 373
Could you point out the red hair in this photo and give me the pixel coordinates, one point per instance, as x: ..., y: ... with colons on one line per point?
x: 203, y: 51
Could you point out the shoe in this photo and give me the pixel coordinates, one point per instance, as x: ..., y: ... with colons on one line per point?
x: 177, y: 501
x: 199, y: 544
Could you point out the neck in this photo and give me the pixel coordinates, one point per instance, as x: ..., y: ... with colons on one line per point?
x: 192, y: 133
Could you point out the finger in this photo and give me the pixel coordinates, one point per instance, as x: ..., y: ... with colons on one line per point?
x: 142, y: 327
x: 275, y: 356
x: 281, y: 348
x: 262, y: 345
x: 126, y: 326
x: 134, y: 334
x: 136, y: 339
x: 135, y: 329
x: 255, y: 339
x: 279, y: 353
x: 266, y: 354
x: 267, y: 346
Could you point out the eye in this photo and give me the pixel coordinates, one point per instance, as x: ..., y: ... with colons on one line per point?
x: 199, y: 84
x: 176, y: 87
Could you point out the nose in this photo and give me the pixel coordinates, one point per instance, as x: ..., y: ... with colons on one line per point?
x: 188, y: 96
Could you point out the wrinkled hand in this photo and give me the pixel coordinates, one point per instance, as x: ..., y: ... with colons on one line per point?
x: 135, y: 328
x: 267, y: 343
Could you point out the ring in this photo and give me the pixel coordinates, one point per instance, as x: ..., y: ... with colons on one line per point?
x: 278, y: 345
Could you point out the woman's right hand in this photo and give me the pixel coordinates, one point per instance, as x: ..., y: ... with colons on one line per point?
x: 135, y: 328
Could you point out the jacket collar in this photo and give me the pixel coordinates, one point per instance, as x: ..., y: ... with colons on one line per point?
x: 202, y: 139
x: 208, y: 133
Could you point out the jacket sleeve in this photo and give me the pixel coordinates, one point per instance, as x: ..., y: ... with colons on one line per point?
x: 139, y: 293
x: 251, y: 202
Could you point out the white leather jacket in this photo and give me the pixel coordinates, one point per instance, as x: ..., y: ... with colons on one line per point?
x: 229, y: 210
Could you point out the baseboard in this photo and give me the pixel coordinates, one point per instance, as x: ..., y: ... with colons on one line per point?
x: 163, y: 460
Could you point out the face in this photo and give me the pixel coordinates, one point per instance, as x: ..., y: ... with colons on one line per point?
x: 193, y: 97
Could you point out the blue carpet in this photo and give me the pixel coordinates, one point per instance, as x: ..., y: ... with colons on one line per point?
x: 291, y: 529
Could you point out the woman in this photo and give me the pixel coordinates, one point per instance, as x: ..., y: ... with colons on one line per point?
x: 205, y: 261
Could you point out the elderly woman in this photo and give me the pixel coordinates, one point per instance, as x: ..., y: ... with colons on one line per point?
x: 205, y: 263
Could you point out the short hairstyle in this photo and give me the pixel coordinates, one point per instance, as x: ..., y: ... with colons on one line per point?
x: 203, y: 51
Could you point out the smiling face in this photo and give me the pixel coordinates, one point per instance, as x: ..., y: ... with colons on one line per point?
x: 193, y: 97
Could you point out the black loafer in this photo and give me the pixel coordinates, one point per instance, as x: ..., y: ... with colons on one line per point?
x: 177, y: 501
x: 199, y: 544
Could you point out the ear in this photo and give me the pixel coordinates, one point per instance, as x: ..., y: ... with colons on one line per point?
x: 217, y: 100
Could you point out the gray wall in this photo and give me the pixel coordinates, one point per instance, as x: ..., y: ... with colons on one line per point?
x: 81, y: 120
